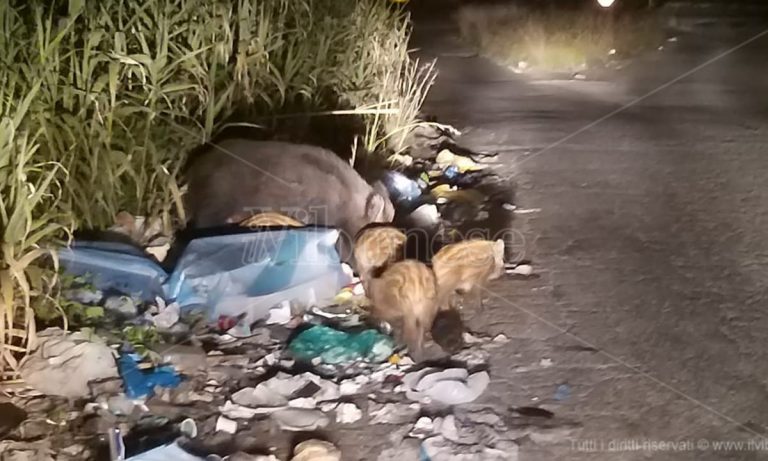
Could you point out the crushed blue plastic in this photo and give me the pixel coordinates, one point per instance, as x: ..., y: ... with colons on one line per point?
x: 451, y: 172
x: 141, y: 383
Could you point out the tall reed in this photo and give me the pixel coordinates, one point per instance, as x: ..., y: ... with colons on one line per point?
x: 102, y: 101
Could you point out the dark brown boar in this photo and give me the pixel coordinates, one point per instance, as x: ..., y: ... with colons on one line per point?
x: 237, y: 177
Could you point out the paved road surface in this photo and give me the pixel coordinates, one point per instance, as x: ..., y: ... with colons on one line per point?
x: 651, y: 243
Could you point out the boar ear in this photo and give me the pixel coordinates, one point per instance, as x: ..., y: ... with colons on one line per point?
x: 498, y: 246
x: 375, y: 207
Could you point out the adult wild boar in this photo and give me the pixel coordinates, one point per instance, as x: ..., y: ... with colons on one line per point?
x: 238, y: 177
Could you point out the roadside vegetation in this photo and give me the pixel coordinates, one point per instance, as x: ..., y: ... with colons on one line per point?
x: 102, y: 101
x: 556, y: 40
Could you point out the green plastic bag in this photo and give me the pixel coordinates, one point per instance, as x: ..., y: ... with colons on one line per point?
x: 336, y: 347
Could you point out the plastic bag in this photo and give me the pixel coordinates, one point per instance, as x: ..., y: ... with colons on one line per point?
x: 252, y: 272
x: 335, y: 347
x: 114, y: 266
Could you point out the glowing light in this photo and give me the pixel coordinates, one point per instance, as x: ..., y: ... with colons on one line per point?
x: 605, y: 3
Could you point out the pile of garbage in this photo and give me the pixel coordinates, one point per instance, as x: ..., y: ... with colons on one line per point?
x: 230, y: 382
x: 249, y: 333
x: 445, y: 189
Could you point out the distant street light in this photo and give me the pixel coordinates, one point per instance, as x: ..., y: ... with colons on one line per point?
x: 606, y: 3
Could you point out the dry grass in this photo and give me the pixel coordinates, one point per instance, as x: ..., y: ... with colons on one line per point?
x: 554, y: 40
x: 101, y: 102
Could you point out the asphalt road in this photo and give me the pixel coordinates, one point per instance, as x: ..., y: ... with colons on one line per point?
x: 651, y: 244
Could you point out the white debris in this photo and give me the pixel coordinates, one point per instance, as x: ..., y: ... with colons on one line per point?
x: 469, y: 338
x: 268, y: 360
x: 406, y: 362
x: 425, y: 216
x: 424, y: 427
x: 300, y: 419
x: 527, y: 210
x: 472, y: 356
x: 393, y: 413
x: 159, y: 252
x: 349, y: 387
x: 122, y: 304
x: 439, y: 448
x: 501, y: 338
x: 276, y: 394
x: 235, y: 411
x: 347, y: 269
x: 545, y: 362
x: 446, y: 426
x: 347, y: 413
x: 303, y: 402
x: 188, y: 427
x: 224, y: 424
x: 328, y: 406
x: 450, y: 387
x: 260, y: 396
x: 522, y: 269
x: 167, y: 315
x: 358, y: 290
x: 280, y: 314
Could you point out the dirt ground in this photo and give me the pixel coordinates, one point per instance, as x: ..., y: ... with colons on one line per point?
x: 645, y: 331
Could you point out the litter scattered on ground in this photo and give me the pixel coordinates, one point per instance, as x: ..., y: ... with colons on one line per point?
x: 255, y: 328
